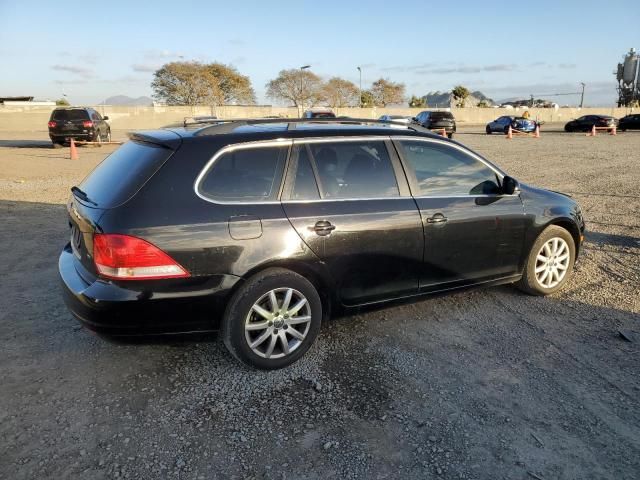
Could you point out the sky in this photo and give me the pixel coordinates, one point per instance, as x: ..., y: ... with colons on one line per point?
x: 93, y: 50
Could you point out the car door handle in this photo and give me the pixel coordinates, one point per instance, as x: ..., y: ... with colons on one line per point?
x: 437, y: 218
x: 323, y: 228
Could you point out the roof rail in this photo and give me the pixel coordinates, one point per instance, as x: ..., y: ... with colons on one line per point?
x: 226, y: 125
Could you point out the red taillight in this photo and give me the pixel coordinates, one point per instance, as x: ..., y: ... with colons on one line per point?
x: 87, y: 124
x: 52, y: 124
x: 123, y: 257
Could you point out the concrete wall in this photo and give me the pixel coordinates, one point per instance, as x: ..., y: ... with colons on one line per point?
x: 33, y: 118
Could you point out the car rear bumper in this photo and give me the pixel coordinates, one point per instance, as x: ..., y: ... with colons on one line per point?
x: 145, y: 307
x: 60, y: 137
x: 447, y: 128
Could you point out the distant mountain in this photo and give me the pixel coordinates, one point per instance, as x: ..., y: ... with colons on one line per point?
x: 125, y: 100
x: 445, y: 99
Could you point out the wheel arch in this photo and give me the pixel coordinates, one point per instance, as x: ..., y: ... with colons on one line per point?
x: 571, y: 227
x: 320, y: 280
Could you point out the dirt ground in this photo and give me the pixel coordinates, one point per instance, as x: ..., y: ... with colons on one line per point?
x: 484, y: 384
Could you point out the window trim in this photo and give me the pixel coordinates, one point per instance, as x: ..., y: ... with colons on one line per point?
x: 413, y: 182
x: 279, y: 142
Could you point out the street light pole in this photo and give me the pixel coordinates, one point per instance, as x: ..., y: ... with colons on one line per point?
x: 360, y: 92
x: 304, y: 67
x: 582, y: 96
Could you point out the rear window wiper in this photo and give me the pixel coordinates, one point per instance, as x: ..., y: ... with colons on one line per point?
x: 78, y: 192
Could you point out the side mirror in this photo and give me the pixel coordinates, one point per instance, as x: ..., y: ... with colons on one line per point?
x: 509, y: 185
x: 105, y: 118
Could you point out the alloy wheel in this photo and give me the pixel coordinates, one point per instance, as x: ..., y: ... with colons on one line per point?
x: 552, y: 262
x: 278, y: 323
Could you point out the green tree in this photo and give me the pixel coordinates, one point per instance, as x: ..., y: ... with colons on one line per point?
x: 366, y: 99
x: 62, y: 102
x: 417, y: 102
x: 460, y: 94
x: 338, y: 92
x: 186, y: 83
x: 386, y: 92
x: 236, y: 88
x: 300, y: 87
x: 483, y: 104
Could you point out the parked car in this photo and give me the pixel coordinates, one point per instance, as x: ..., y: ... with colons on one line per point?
x: 501, y: 124
x: 78, y: 123
x: 586, y: 123
x: 437, y: 121
x: 262, y: 231
x: 396, y: 118
x: 630, y: 122
x: 319, y: 113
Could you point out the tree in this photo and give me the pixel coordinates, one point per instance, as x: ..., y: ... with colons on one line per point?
x: 366, y: 99
x: 236, y: 88
x: 297, y: 86
x: 62, y: 102
x: 193, y: 83
x: 460, y: 94
x: 386, y: 92
x: 417, y: 102
x: 186, y: 83
x: 338, y: 92
x: 483, y: 104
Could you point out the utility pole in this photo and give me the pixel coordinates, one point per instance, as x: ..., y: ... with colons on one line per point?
x: 301, y: 87
x: 360, y: 92
x: 582, y: 95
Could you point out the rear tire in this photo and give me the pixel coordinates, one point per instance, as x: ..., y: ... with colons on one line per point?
x: 108, y: 136
x: 268, y: 336
x: 450, y: 135
x: 550, y: 262
x: 488, y: 130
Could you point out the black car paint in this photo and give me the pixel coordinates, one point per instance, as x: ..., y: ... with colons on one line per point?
x: 380, y: 250
x: 629, y: 122
x: 587, y: 122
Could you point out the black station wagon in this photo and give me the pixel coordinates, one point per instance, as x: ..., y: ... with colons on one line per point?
x: 261, y: 228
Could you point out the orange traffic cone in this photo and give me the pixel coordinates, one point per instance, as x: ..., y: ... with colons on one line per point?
x: 537, y: 134
x: 509, y: 133
x: 613, y: 131
x: 73, y: 151
x: 592, y: 133
x: 443, y: 132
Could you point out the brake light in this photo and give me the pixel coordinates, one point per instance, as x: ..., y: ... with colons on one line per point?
x: 87, y: 124
x: 123, y: 257
x: 52, y: 124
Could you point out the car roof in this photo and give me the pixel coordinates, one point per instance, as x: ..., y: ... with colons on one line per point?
x: 267, y: 129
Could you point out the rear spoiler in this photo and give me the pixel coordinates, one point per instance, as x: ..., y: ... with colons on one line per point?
x: 164, y: 138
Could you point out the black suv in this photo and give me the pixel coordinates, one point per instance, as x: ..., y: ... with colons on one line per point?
x: 78, y: 123
x: 437, y: 121
x: 263, y: 228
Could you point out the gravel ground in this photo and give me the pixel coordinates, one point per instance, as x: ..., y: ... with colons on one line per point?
x: 484, y: 384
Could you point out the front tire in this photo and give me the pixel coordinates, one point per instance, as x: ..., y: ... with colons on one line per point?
x: 273, y: 319
x: 488, y: 130
x: 550, y: 262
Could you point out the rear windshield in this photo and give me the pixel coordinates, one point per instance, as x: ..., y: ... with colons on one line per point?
x: 75, y: 114
x: 122, y: 174
x: 441, y: 116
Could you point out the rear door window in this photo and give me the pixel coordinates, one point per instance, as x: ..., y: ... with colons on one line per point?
x: 245, y: 175
x: 441, y: 170
x: 122, y: 174
x: 353, y: 169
